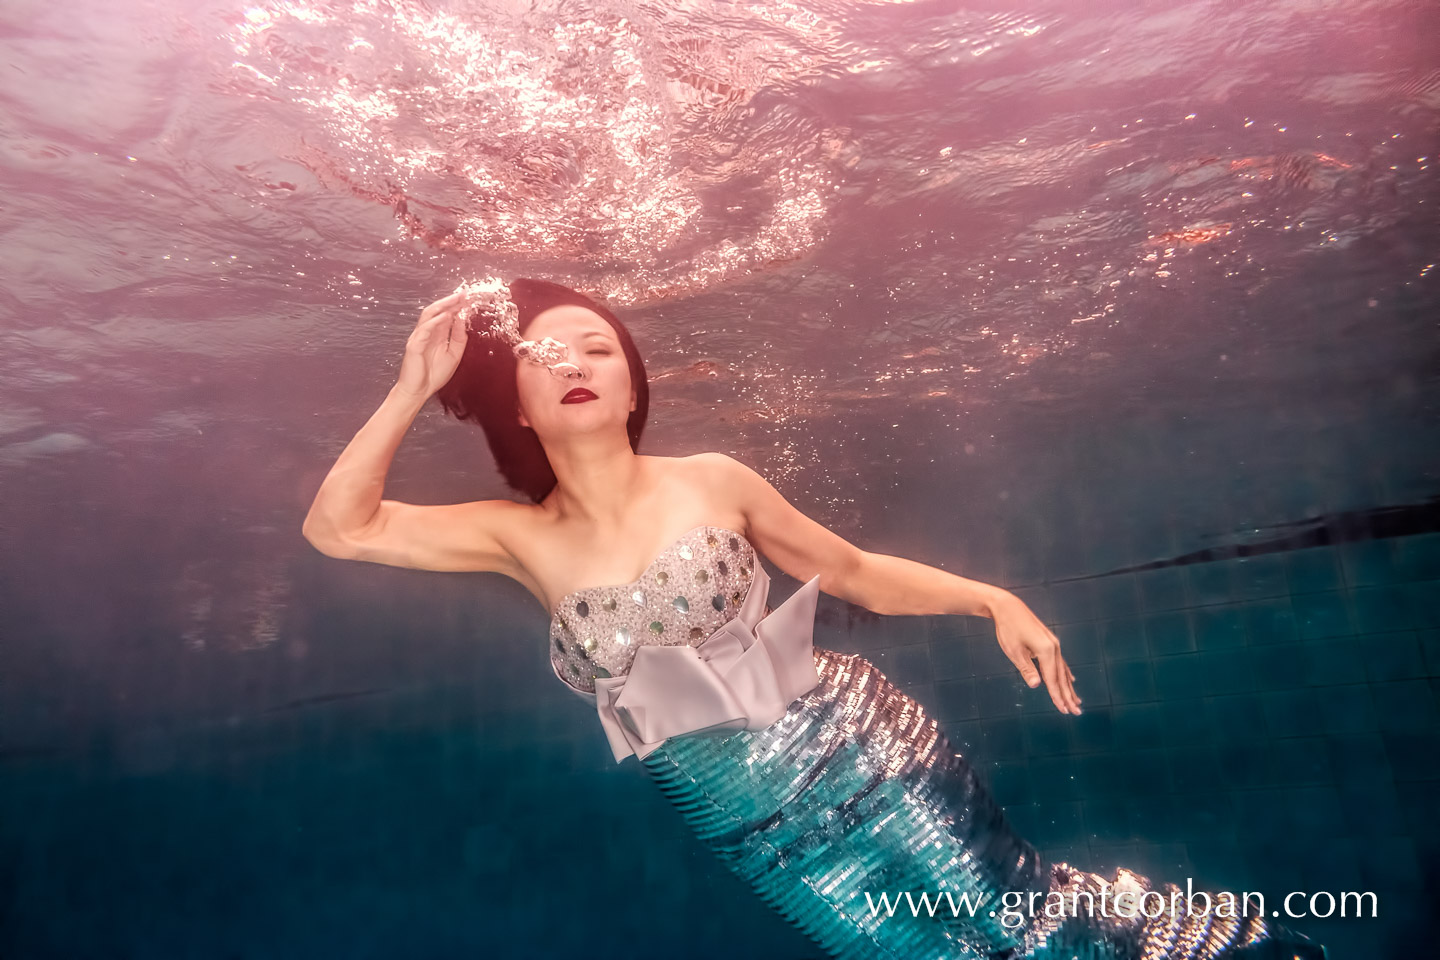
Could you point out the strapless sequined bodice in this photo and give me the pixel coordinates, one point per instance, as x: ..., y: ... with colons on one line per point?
x: 690, y: 590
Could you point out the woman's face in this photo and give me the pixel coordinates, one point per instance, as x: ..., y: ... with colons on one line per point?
x: 595, y: 349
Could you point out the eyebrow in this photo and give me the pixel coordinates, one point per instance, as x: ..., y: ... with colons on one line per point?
x: 594, y: 333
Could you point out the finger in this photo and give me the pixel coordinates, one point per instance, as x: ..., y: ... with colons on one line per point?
x: 1065, y: 680
x: 441, y: 304
x: 426, y: 327
x: 1070, y: 674
x: 1023, y: 664
x: 1070, y: 685
x: 1051, y: 671
x: 458, y: 330
x: 424, y: 331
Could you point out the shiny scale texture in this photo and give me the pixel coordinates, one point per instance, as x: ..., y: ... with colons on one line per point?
x: 856, y: 790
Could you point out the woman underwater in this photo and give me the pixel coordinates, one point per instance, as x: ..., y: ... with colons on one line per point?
x: 806, y: 771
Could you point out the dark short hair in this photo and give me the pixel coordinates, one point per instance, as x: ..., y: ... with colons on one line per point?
x: 482, y: 389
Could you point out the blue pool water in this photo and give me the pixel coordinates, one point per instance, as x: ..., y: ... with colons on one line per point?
x: 1127, y: 308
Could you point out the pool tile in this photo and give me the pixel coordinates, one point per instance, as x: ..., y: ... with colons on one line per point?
x: 1367, y: 562
x: 1407, y: 706
x: 1226, y: 671
x: 1270, y: 621
x: 1186, y: 722
x: 1122, y: 638
x: 1131, y: 681
x: 1116, y: 596
x: 1302, y: 760
x: 1003, y: 738
x: 1333, y: 865
x: 1313, y: 570
x: 1073, y: 601
x: 1177, y: 677
x: 1394, y: 656
x: 1281, y: 667
x: 1152, y: 818
x: 909, y: 664
x: 950, y: 658
x: 1235, y: 719
x: 1099, y: 775
x: 1092, y: 684
x: 1169, y: 632
x: 1371, y: 809
x: 1054, y: 822
x: 1360, y: 757
x: 1163, y: 589
x: 1092, y: 730
x: 1220, y: 856
x: 1207, y: 819
x: 1010, y: 782
x: 1314, y: 811
x: 1420, y: 596
x: 1413, y: 755
x: 1000, y: 696
x: 1048, y: 733
x: 1261, y: 575
x: 1322, y: 614
x: 1263, y: 812
x: 956, y: 700
x: 1417, y: 557
x: 1347, y: 708
x: 1106, y: 819
x: 1079, y: 642
x: 1334, y: 661
x: 1212, y: 583
x: 1416, y: 801
x: 1054, y: 778
x: 1194, y: 768
x: 1246, y: 764
x: 1144, y: 773
x: 1430, y: 647
x: 1219, y: 627
x: 1389, y: 863
x: 967, y: 736
x: 1384, y: 608
x: 1137, y: 727
x: 1293, y: 713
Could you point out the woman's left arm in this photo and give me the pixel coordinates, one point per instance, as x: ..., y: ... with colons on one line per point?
x: 892, y: 585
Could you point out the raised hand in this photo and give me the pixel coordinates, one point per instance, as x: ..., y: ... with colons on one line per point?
x: 433, y: 351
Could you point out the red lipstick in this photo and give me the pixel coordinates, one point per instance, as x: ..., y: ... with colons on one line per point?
x: 578, y: 395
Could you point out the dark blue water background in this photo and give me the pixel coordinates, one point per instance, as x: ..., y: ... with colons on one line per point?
x: 1128, y: 307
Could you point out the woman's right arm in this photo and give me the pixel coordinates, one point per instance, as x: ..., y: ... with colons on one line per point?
x: 351, y: 520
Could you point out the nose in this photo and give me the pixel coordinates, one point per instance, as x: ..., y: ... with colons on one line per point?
x: 566, y: 370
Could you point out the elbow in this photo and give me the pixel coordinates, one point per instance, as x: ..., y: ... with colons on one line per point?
x: 326, y: 542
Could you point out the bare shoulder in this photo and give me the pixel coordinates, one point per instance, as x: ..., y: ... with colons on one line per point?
x: 725, y: 484
x: 710, y: 470
x: 712, y: 462
x: 720, y: 470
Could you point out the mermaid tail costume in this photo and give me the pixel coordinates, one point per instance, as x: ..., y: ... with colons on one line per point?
x: 833, y: 794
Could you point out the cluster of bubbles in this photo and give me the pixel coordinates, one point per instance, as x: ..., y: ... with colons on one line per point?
x: 489, y: 297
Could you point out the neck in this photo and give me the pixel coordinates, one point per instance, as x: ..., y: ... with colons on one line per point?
x: 598, y: 480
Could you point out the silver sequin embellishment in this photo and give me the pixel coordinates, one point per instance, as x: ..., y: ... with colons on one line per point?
x: 601, y: 641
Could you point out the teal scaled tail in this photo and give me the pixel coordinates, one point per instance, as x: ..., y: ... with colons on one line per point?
x: 856, y: 790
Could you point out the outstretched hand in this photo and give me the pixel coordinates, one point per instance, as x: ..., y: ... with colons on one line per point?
x: 1025, y: 641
